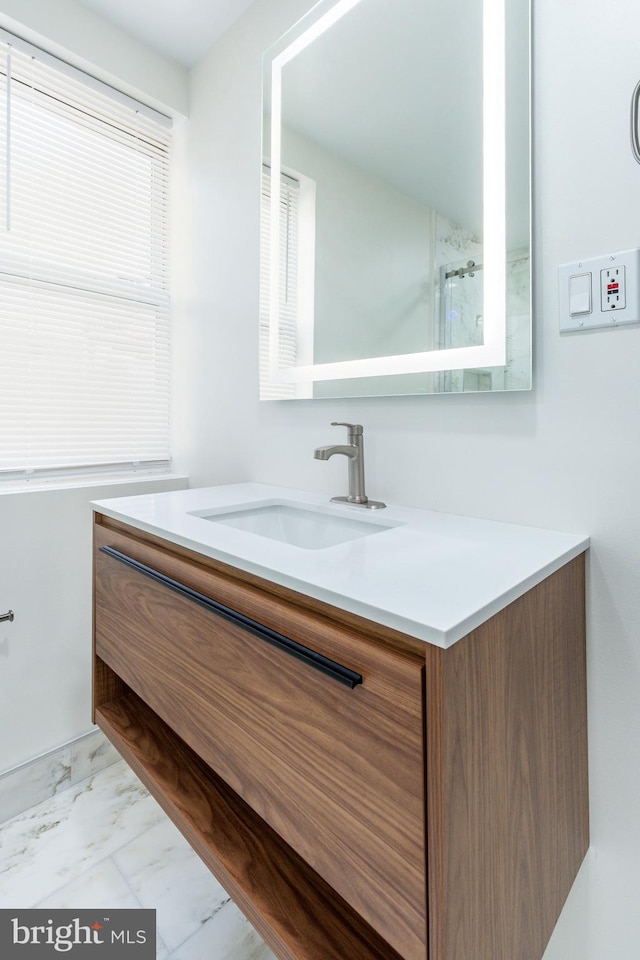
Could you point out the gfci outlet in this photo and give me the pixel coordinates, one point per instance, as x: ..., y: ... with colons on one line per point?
x: 613, y: 288
x: 600, y: 292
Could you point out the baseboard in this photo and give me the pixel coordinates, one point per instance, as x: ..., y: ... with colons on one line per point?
x: 35, y: 781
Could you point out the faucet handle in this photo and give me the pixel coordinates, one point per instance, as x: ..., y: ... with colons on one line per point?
x: 355, y: 429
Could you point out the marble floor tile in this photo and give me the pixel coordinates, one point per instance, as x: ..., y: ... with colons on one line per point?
x: 106, y: 843
x: 226, y: 936
x: 48, y: 845
x: 101, y: 887
x: 164, y: 873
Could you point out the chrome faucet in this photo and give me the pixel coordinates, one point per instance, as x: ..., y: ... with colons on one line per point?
x: 354, y: 451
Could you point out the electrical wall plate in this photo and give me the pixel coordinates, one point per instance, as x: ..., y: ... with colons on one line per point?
x: 600, y: 292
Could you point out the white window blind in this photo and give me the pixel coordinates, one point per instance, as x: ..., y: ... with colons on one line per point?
x: 289, y: 197
x: 84, y: 311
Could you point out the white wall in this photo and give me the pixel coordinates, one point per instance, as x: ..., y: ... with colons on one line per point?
x: 565, y: 455
x: 45, y: 578
x: 75, y: 33
x: 373, y: 242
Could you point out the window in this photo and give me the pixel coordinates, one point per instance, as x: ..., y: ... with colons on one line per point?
x: 289, y: 190
x: 84, y: 309
x: 297, y: 239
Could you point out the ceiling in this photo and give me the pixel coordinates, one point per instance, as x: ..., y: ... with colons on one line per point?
x: 182, y: 30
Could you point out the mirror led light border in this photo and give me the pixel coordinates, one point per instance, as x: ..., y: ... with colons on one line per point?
x: 492, y: 353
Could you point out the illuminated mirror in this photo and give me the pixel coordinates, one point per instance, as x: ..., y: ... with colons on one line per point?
x: 395, y: 254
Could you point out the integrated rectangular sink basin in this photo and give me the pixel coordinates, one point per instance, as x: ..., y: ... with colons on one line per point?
x: 300, y: 526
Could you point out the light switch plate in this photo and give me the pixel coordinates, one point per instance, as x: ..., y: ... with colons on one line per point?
x: 602, y: 313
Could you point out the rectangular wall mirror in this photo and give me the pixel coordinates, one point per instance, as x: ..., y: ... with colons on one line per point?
x: 395, y: 215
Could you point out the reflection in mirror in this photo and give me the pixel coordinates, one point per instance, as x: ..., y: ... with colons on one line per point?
x: 383, y: 243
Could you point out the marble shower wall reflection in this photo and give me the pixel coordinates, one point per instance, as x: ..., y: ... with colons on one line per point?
x: 459, y: 309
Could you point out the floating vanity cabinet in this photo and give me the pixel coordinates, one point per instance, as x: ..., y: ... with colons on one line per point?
x: 361, y: 794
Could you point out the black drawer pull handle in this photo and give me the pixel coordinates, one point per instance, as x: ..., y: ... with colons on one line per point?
x: 336, y: 670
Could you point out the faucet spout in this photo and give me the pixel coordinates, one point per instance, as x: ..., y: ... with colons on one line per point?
x: 354, y: 451
x: 324, y: 453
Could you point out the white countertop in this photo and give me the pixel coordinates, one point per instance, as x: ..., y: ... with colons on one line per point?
x: 435, y: 576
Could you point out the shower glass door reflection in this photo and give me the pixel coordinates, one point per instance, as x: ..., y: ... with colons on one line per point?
x: 461, y: 322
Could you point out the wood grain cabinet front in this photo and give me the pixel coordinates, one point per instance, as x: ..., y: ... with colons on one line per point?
x: 318, y: 730
x: 362, y: 795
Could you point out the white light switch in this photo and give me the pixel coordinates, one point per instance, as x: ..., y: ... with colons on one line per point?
x: 580, y: 294
x: 600, y: 292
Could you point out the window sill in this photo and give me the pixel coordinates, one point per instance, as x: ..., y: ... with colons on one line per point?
x: 87, y: 482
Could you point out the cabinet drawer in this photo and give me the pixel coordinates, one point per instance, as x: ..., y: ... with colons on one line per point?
x: 332, y: 763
